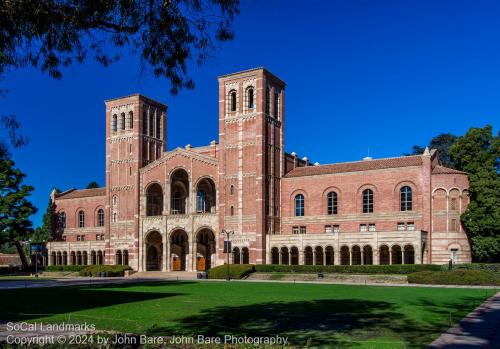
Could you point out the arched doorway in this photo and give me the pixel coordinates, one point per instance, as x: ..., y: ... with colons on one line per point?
x: 72, y: 258
x: 409, y: 254
x: 179, y: 248
x: 78, y: 257
x: 396, y: 255
x: 154, y: 200
x: 245, y: 255
x: 205, y: 196
x: 93, y: 258
x: 367, y: 255
x: 344, y: 256
x: 308, y: 255
x: 65, y: 258
x: 154, y: 248
x: 318, y: 255
x: 179, y: 191
x: 355, y: 255
x: 285, y: 257
x: 99, y: 257
x: 118, y: 257
x: 294, y: 255
x: 236, y: 255
x: 384, y: 257
x: 329, y: 257
x: 205, y: 249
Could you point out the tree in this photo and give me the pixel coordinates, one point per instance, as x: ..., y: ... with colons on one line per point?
x: 11, y: 127
x: 442, y: 143
x: 15, y: 208
x: 46, y: 231
x: 478, y: 153
x: 93, y: 185
x: 166, y: 34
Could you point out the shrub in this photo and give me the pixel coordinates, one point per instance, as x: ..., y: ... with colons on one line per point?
x: 111, y: 270
x: 236, y: 271
x: 454, y: 277
x: 350, y: 269
x: 64, y: 267
x: 491, y: 267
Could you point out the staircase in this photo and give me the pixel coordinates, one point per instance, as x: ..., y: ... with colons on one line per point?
x: 165, y: 275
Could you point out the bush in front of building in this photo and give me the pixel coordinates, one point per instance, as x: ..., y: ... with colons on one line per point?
x: 348, y: 269
x: 236, y: 271
x: 67, y: 268
x: 491, y: 267
x: 110, y: 270
x: 454, y: 277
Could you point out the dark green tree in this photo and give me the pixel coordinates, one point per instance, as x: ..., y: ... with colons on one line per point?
x: 15, y: 209
x: 53, y: 34
x: 46, y: 231
x: 93, y: 185
x: 478, y: 153
x: 442, y: 143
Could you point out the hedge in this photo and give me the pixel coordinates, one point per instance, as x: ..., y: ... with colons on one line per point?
x: 491, y: 267
x: 236, y: 271
x: 64, y: 267
x: 350, y: 269
x: 454, y: 277
x: 111, y: 270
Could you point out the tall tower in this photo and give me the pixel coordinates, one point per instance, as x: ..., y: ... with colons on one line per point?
x: 135, y: 136
x: 251, y: 118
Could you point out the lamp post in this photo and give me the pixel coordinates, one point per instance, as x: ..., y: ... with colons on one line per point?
x: 227, y: 247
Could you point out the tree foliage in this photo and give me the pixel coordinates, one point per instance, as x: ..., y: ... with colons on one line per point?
x: 45, y: 232
x: 93, y: 185
x: 52, y: 34
x: 442, y: 144
x: 11, y: 135
x: 15, y: 208
x: 478, y: 153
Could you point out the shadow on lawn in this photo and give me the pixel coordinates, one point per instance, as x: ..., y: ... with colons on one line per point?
x: 317, y: 323
x: 28, y: 304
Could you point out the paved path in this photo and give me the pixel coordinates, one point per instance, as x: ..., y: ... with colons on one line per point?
x: 479, y: 329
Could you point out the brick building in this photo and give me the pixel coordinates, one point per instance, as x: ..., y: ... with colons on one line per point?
x: 164, y: 210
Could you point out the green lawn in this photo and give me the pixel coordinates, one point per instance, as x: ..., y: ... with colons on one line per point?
x: 314, y: 314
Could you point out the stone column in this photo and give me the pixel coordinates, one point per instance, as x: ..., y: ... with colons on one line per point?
x: 324, y: 257
x: 301, y: 257
x: 164, y: 266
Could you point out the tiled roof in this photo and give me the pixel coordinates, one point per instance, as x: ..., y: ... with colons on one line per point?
x: 83, y: 193
x: 444, y: 170
x: 356, y: 166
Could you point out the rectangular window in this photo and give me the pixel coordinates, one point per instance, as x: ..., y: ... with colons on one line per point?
x: 102, y: 237
x: 82, y: 238
x: 78, y: 238
x: 98, y: 237
x: 276, y: 106
x: 362, y: 227
x: 401, y: 226
x: 410, y: 226
x: 328, y: 229
x: 453, y: 225
x: 295, y: 230
x: 336, y: 229
x: 268, y: 101
x: 371, y: 227
x: 453, y: 203
x: 302, y: 229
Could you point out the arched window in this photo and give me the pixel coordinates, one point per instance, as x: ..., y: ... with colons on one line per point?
x: 122, y: 122
x: 406, y: 198
x: 299, y: 205
x: 130, y: 120
x: 100, y: 218
x: 232, y: 210
x: 125, y: 257
x: 200, y: 201
x: 332, y: 202
x: 154, y: 200
x: 233, y: 100
x: 367, y: 201
x: 276, y: 106
x: 115, y: 200
x: 81, y: 219
x: 118, y: 257
x: 158, y: 124
x: 114, y: 217
x: 268, y: 101
x: 151, y: 123
x: 114, y: 124
x: 251, y: 104
x: 145, y: 121
x: 62, y: 218
x: 231, y: 189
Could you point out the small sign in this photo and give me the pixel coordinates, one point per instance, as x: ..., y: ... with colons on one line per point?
x: 227, y: 246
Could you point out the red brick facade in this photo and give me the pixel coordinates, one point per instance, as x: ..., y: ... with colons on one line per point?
x: 164, y: 210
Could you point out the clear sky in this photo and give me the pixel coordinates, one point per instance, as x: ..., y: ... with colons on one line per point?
x: 378, y: 75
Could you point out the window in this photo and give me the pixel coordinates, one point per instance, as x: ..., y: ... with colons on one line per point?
x: 336, y: 228
x: 200, y: 201
x: 100, y: 218
x: 454, y: 255
x: 130, y: 120
x: 332, y: 202
x: 158, y: 124
x: 453, y: 203
x: 401, y: 226
x: 232, y: 210
x: 410, y: 226
x: 62, y: 218
x: 362, y: 227
x: 115, y: 200
x: 303, y: 230
x: 299, y: 205
x: 81, y: 219
x: 232, y: 96
x: 328, y: 229
x: 151, y: 127
x: 145, y: 121
x: 78, y: 238
x: 268, y: 101
x: 251, y: 104
x: 406, y: 199
x: 453, y: 225
x: 367, y: 201
x: 114, y: 124
x: 98, y: 237
x: 122, y: 121
x: 371, y: 227
x: 114, y: 217
x: 276, y: 105
x: 231, y: 189
x: 295, y: 230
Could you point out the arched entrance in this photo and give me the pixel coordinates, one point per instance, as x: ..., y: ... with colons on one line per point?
x: 294, y: 255
x: 205, y: 249
x: 179, y: 191
x: 245, y: 255
x: 308, y: 255
x: 205, y: 196
x: 345, y: 256
x: 396, y: 255
x: 179, y: 248
x: 154, y: 248
x: 318, y: 255
x: 236, y: 255
x: 275, y: 256
x: 384, y: 256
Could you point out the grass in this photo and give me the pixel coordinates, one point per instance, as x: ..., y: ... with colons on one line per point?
x: 309, y: 314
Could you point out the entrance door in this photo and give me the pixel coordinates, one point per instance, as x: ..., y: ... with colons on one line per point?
x: 176, y: 263
x: 200, y: 263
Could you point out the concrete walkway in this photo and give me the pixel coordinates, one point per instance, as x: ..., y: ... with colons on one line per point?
x: 479, y: 329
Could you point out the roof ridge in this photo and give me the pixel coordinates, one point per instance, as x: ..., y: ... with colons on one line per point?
x: 370, y: 160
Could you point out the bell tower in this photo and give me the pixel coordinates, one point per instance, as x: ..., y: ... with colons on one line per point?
x: 135, y: 136
x: 251, y: 118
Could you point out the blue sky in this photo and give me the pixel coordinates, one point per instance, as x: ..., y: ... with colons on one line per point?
x: 377, y: 75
